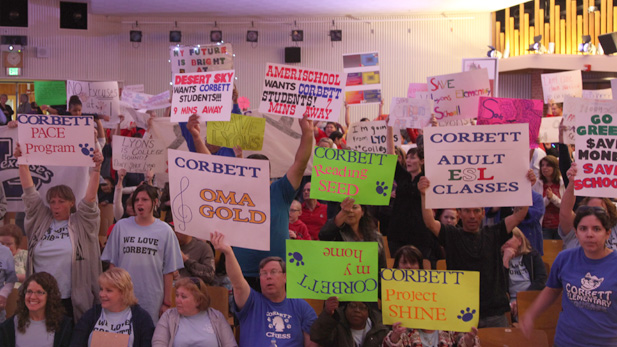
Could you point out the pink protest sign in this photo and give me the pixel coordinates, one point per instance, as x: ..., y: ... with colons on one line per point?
x: 416, y: 87
x: 508, y: 111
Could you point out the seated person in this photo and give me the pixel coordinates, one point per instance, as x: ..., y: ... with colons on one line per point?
x: 297, y: 229
x: 197, y: 256
x: 10, y: 236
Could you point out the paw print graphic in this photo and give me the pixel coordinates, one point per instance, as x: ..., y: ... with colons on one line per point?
x: 381, y: 188
x: 87, y: 150
x: 297, y: 257
x: 466, y: 315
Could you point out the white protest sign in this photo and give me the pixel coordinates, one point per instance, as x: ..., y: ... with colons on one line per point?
x: 614, y: 86
x: 549, y: 130
x: 138, y: 155
x: 416, y: 87
x: 293, y: 91
x: 480, y: 166
x: 158, y: 101
x: 201, y: 58
x: 214, y: 193
x: 56, y: 140
x: 97, y: 97
x: 136, y: 88
x: 556, y: 86
x: 605, y: 94
x: 369, y: 137
x: 135, y: 99
x: 410, y: 113
x: 456, y: 96
x: 206, y: 93
x: 570, y: 107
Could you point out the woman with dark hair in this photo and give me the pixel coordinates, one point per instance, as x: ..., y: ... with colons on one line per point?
x: 586, y: 278
x: 408, y: 257
x: 39, y: 319
x: 551, y: 187
x: 6, y: 109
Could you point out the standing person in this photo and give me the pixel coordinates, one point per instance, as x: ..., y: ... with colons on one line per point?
x: 7, y: 278
x: 24, y: 104
x: 586, y: 279
x: 552, y: 188
x: 147, y: 248
x: 10, y: 236
x: 6, y: 109
x: 314, y: 214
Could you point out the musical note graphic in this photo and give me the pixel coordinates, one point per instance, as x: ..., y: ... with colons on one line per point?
x: 183, y: 213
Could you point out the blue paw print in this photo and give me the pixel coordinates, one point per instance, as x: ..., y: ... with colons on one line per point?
x: 297, y: 257
x: 467, y: 315
x: 87, y: 150
x: 381, y: 188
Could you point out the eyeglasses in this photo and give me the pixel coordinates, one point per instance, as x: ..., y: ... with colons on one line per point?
x: 38, y: 293
x: 294, y: 210
x: 357, y: 307
x: 272, y: 273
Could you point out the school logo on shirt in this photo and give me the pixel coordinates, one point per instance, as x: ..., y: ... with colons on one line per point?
x: 586, y: 296
x: 278, y: 323
x: 56, y: 234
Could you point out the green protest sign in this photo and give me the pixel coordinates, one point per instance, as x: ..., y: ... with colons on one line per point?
x: 50, y: 92
x: 244, y: 131
x: 321, y: 269
x: 366, y: 177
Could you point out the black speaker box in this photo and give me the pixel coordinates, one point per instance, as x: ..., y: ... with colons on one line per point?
x: 73, y: 15
x: 292, y: 54
x: 608, y: 42
x: 14, y: 13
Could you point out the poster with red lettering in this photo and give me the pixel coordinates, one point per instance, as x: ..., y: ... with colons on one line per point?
x: 207, y: 94
x: 201, y: 58
x: 508, y: 111
x: 556, y: 86
x: 293, y: 91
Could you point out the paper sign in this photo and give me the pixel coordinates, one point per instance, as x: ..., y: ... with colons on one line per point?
x: 321, y: 269
x: 338, y: 174
x: 431, y: 299
x: 484, y: 165
x: 202, y: 58
x: 369, y: 137
x: 416, y: 87
x: 410, y: 113
x: 492, y: 67
x: 106, y: 339
x: 605, y: 94
x: 158, y: 101
x: 456, y: 96
x: 206, y: 93
x: 362, y: 71
x: 56, y: 140
x: 549, y: 130
x: 136, y: 88
x: 614, y: 86
x: 556, y: 86
x: 571, y: 105
x: 97, y: 97
x: 596, y: 150
x: 213, y: 193
x: 508, y: 111
x: 50, y: 92
x: 136, y: 100
x: 138, y: 155
x: 293, y: 91
x: 244, y: 131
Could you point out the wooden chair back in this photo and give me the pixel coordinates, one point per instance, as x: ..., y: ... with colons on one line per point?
x: 551, y: 249
x: 386, y: 247
x: 547, y: 321
x: 511, y: 337
x: 316, y: 304
x: 441, y: 264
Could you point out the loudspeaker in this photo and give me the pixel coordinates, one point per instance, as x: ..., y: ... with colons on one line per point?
x: 292, y: 54
x: 73, y: 15
x: 14, y: 13
x: 608, y: 42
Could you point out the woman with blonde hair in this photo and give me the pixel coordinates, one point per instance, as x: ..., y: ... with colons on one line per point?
x: 118, y: 312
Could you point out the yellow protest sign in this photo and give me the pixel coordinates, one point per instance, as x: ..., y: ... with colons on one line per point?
x: 244, y: 131
x: 431, y: 299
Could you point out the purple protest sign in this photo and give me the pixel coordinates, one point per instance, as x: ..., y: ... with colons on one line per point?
x: 508, y: 111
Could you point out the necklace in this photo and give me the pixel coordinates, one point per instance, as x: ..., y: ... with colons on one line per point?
x: 429, y: 339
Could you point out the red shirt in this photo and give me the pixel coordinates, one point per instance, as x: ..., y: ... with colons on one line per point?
x: 551, y: 214
x: 302, y: 232
x: 315, y: 219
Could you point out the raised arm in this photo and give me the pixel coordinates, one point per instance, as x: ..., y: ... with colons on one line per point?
x: 546, y: 298
x: 347, y: 116
x: 515, y: 218
x: 25, y: 177
x: 303, y: 154
x: 241, y: 287
x: 193, y: 126
x: 118, y: 208
x: 389, y: 140
x: 93, y: 182
x: 566, y: 213
x: 380, y: 108
x: 427, y: 214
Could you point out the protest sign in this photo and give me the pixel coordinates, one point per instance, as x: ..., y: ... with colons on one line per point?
x: 492, y: 67
x: 97, y: 98
x: 138, y: 155
x: 456, y: 96
x: 410, y: 113
x: 614, y: 86
x: 570, y: 107
x: 207, y: 94
x: 549, y: 130
x: 244, y: 131
x: 158, y: 101
x: 484, y: 165
x: 214, y: 193
x: 136, y: 100
x: 106, y: 339
x: 50, y: 92
x: 293, y: 91
x: 556, y: 86
x: 365, y: 177
x: 56, y: 140
x: 201, y: 58
x: 596, y: 150
x: 424, y: 96
x: 136, y: 88
x: 369, y: 137
x: 416, y: 87
x: 508, y: 111
x: 431, y: 299
x: 605, y: 94
x: 362, y: 71
x: 321, y: 269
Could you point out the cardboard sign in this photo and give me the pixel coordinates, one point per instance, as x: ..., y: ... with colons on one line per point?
x: 366, y: 177
x: 369, y: 137
x: 596, y: 150
x: 549, y: 130
x: 207, y: 94
x: 136, y: 88
x: 293, y: 91
x: 321, y: 269
x: 244, y: 131
x: 556, y: 86
x: 50, y: 92
x: 604, y: 94
x: 431, y: 299
x: 410, y: 113
x: 362, y: 71
x: 416, y: 87
x: 56, y: 140
x: 456, y: 96
x: 509, y: 111
x: 201, y: 58
x: 97, y: 97
x: 106, y: 339
x: 484, y: 165
x: 213, y: 193
x: 138, y: 155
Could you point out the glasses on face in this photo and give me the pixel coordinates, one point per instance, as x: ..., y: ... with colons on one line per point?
x: 357, y: 307
x: 37, y: 293
x: 272, y: 273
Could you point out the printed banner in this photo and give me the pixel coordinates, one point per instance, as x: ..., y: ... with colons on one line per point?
x: 293, y: 91
x: 431, y: 299
x: 549, y: 130
x: 596, y: 150
x: 56, y: 140
x: 201, y: 58
x: 366, y: 177
x: 410, y: 113
x: 484, y: 165
x: 362, y: 72
x: 508, y: 111
x: 369, y: 137
x: 50, y: 92
x: 321, y: 269
x: 556, y: 86
x: 244, y: 131
x: 206, y: 93
x: 213, y: 193
x: 138, y: 155
x: 97, y: 97
x: 604, y: 94
x: 416, y: 87
x: 456, y: 96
